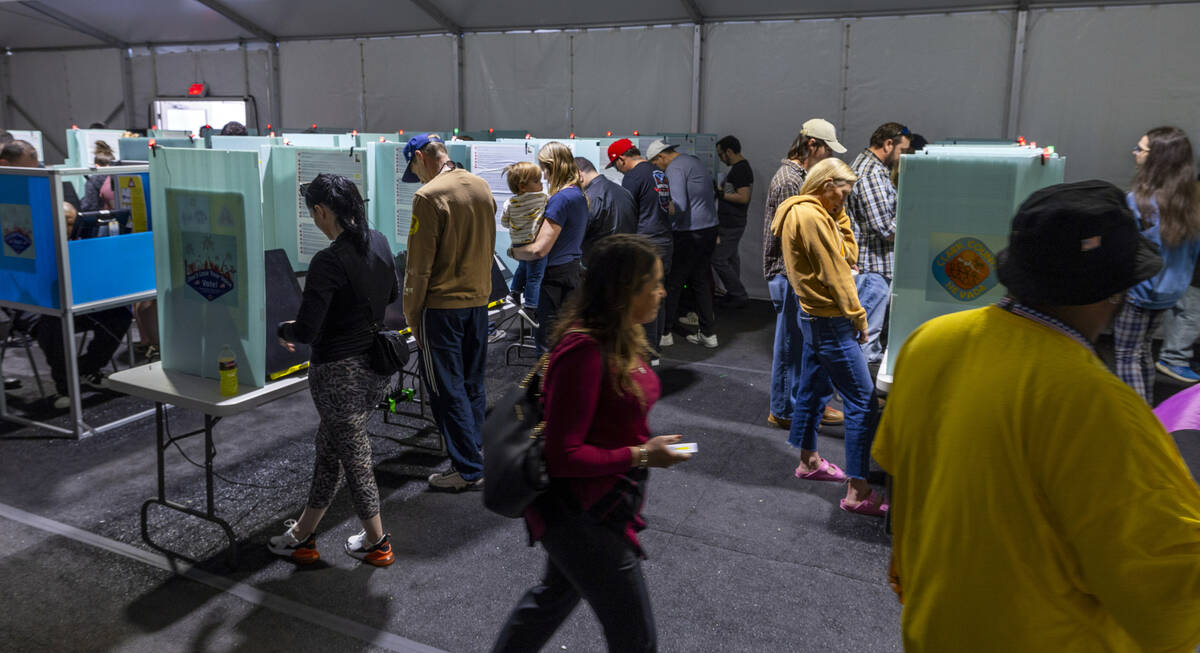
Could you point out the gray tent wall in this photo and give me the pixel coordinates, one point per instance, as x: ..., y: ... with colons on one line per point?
x: 1092, y: 80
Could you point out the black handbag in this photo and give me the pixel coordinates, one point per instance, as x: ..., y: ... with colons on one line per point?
x: 389, y: 350
x: 512, y: 443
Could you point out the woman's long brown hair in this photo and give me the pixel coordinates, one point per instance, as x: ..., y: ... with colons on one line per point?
x: 618, y: 267
x: 1169, y: 177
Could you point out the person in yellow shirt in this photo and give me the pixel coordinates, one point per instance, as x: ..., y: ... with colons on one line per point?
x: 819, y: 251
x: 1037, y: 503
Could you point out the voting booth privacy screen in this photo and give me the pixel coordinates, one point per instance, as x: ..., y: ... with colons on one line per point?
x: 211, y: 287
x: 954, y: 210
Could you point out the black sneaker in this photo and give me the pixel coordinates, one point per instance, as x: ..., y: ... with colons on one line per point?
x: 93, y: 381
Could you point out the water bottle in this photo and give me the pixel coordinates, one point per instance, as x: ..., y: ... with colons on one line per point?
x: 227, y: 370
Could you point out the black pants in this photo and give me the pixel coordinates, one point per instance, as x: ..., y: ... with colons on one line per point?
x: 692, y: 259
x: 108, y: 327
x: 558, y: 282
x: 727, y: 264
x: 590, y: 561
x: 656, y: 328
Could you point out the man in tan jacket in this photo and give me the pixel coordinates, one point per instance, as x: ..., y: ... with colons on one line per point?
x: 447, y: 282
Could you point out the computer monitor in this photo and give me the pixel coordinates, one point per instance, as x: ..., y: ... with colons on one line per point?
x: 91, y: 224
x: 190, y: 114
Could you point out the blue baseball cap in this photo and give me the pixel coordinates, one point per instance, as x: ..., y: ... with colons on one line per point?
x: 415, y: 143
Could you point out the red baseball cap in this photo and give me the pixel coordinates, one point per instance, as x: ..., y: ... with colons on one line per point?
x: 617, y: 149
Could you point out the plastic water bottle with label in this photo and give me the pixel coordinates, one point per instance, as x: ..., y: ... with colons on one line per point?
x: 227, y: 370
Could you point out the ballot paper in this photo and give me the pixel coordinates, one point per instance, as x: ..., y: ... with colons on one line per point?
x: 404, y: 199
x: 309, y: 164
x: 488, y: 160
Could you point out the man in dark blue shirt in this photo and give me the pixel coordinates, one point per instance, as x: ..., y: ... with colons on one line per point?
x: 652, y: 200
x: 611, y: 209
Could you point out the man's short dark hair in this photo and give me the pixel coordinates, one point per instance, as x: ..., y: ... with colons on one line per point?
x: 16, y: 150
x: 633, y: 151
x: 888, y: 131
x: 584, y: 165
x: 730, y: 143
x: 233, y: 128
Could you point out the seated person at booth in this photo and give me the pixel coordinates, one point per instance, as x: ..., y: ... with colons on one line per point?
x: 108, y: 327
x: 98, y: 194
x: 233, y: 128
x: 18, y: 154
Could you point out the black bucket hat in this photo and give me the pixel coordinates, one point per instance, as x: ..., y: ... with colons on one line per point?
x: 1075, y: 244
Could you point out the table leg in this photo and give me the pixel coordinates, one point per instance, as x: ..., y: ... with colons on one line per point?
x: 209, y: 514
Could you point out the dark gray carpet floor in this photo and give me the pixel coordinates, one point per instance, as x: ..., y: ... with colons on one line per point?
x: 743, y: 557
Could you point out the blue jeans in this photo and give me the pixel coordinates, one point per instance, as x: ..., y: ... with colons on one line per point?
x: 785, y: 354
x: 453, y: 354
x: 874, y: 290
x: 527, y: 280
x: 1183, y: 327
x: 831, y: 356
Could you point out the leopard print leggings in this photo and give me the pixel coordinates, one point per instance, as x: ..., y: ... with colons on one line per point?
x: 344, y: 392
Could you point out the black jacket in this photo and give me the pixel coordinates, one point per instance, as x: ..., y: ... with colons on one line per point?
x: 334, y: 315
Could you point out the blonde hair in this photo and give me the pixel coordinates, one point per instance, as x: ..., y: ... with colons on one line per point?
x: 560, y: 164
x: 521, y: 173
x: 831, y: 169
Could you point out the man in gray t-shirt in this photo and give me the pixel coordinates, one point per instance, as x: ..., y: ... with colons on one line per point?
x: 694, y: 229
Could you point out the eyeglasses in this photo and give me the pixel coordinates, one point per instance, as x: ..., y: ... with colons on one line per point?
x: 1138, y: 149
x: 903, y: 132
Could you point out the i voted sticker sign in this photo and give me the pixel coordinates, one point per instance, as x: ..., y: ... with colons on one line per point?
x: 208, y: 265
x: 16, y: 230
x: 966, y: 269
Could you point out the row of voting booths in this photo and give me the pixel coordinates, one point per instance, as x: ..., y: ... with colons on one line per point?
x: 211, y: 211
x: 227, y: 205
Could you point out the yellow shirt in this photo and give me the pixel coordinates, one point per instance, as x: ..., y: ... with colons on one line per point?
x: 1038, y: 504
x: 818, y: 250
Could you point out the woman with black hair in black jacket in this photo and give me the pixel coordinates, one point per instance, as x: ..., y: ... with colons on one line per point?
x: 346, y: 290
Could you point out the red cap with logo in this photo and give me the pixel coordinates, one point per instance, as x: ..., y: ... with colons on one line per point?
x: 617, y: 149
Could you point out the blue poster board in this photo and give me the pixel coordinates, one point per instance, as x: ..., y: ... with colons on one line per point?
x: 28, y: 265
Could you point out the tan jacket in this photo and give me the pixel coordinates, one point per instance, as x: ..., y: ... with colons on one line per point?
x: 450, y: 245
x: 818, y: 251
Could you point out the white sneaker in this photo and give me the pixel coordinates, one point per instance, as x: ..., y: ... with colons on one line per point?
x: 691, y: 319
x: 453, y: 481
x: 666, y: 341
x: 709, y: 341
x: 61, y: 402
x: 300, y: 551
x: 497, y: 335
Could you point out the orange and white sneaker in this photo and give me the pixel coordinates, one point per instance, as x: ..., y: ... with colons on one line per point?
x: 302, y: 552
x: 378, y: 554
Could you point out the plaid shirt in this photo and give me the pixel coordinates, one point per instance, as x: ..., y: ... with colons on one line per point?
x: 786, y: 183
x: 872, y: 205
x: 1016, y: 308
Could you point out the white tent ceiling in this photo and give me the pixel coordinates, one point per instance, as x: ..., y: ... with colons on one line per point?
x: 39, y: 24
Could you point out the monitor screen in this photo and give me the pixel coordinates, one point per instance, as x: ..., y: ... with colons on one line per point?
x: 191, y: 114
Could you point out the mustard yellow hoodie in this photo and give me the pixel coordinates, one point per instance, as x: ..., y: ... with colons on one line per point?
x: 818, y: 251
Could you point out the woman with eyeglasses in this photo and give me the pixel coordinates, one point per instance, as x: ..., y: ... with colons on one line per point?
x: 818, y: 250
x: 1164, y: 202
x: 347, y: 287
x: 560, y: 238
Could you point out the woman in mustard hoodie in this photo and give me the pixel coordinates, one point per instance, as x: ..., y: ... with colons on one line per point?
x: 819, y: 251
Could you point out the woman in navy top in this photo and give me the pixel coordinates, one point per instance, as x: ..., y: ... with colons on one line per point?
x: 560, y: 238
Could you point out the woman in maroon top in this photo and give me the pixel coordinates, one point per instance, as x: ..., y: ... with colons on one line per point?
x: 599, y: 389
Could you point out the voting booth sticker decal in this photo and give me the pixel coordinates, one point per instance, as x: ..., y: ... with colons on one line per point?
x: 16, y: 228
x: 965, y: 269
x: 209, y: 264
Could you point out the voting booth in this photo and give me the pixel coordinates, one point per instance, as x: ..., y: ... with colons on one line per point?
x: 42, y: 271
x: 211, y: 283
x: 954, y: 209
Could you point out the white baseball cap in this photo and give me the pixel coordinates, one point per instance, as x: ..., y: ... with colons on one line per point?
x: 823, y: 130
x: 657, y: 147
